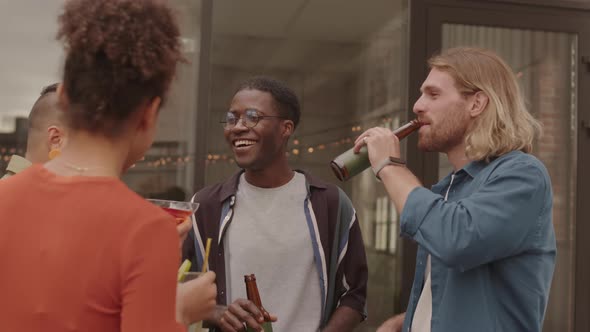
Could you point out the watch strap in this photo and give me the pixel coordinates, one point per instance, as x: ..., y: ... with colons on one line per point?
x: 386, y: 162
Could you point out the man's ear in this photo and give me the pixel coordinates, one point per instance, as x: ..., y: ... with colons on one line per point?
x: 56, y: 137
x: 288, y: 128
x: 479, y: 104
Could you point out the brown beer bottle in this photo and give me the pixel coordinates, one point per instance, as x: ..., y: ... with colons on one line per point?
x: 254, y: 297
x: 350, y: 164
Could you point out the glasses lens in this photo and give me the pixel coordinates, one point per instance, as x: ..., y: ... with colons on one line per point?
x: 251, y: 118
x: 230, y: 120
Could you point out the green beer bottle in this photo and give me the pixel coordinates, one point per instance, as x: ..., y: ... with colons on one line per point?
x: 254, y: 297
x: 350, y: 164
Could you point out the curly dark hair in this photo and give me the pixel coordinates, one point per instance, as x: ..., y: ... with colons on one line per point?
x: 119, y: 55
x: 284, y: 97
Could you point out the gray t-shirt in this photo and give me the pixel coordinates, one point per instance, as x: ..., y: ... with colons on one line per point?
x: 269, y: 237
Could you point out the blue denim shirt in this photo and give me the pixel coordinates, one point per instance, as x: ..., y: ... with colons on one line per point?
x: 492, y: 246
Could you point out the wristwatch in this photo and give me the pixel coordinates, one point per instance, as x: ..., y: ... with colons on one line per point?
x: 386, y: 162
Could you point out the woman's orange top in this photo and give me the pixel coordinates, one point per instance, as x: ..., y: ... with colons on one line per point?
x: 84, y: 254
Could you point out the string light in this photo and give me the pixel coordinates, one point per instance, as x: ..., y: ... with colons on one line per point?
x: 213, y: 158
x: 164, y: 161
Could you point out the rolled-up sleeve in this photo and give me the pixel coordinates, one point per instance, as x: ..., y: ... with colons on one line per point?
x: 497, y: 220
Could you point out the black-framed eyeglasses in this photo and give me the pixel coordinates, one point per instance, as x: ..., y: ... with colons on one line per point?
x: 249, y: 119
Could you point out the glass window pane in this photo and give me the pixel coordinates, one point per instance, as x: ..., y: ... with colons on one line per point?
x: 168, y: 167
x: 545, y: 64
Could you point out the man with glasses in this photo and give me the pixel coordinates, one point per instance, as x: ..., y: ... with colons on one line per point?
x: 46, y: 134
x: 298, y: 235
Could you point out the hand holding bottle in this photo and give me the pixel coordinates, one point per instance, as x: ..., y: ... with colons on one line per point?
x: 241, y: 313
x: 381, y: 144
x: 357, y: 159
x: 246, y: 315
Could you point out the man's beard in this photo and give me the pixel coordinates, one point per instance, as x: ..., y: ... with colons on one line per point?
x: 444, y: 137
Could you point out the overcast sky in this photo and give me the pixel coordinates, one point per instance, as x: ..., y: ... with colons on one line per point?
x: 30, y: 56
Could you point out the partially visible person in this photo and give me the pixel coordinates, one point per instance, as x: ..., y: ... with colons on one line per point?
x: 99, y: 257
x: 486, y: 240
x: 299, y: 235
x: 46, y: 133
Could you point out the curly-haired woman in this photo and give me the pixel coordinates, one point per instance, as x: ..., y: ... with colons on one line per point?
x: 79, y: 251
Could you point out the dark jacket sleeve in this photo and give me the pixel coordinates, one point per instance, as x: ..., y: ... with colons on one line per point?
x: 353, y: 260
x: 189, y: 251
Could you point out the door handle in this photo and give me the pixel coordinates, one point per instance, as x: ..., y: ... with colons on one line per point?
x: 586, y: 60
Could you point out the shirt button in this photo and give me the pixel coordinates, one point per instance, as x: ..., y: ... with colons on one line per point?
x: 222, y: 292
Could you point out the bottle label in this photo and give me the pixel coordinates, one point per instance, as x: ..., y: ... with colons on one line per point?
x: 354, y: 163
x: 266, y: 326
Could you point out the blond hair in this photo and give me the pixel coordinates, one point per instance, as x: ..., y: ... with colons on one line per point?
x: 505, y: 124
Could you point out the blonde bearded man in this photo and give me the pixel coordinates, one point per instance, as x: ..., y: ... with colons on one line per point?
x: 486, y: 240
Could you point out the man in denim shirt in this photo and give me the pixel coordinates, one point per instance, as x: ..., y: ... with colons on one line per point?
x: 486, y: 240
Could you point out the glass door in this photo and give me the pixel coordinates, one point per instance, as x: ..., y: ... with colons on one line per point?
x: 546, y: 67
x: 168, y: 169
x: 346, y: 61
x: 545, y: 48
